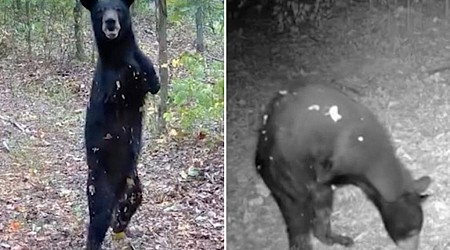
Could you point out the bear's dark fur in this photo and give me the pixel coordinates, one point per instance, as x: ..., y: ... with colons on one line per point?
x: 122, y: 78
x: 314, y: 137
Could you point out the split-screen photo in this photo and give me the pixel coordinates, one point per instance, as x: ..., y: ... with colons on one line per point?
x: 213, y: 125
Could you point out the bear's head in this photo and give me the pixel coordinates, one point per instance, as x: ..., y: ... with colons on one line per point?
x: 403, y: 218
x: 111, y: 19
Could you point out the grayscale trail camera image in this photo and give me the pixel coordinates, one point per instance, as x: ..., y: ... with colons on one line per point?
x: 337, y: 134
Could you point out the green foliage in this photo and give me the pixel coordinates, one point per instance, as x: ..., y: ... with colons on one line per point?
x: 184, y: 10
x: 44, y: 27
x: 196, y: 99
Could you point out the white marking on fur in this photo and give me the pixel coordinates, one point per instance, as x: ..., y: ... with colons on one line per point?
x: 118, y: 84
x: 282, y: 92
x: 360, y: 138
x: 123, y: 96
x: 91, y: 190
x: 334, y: 113
x: 265, y: 117
x: 95, y: 149
x: 314, y: 107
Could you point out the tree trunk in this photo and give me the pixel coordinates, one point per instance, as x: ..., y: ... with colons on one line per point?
x: 199, y: 43
x: 154, y: 4
x: 18, y: 7
x: 78, y: 15
x: 27, y: 10
x: 163, y: 65
x: 446, y: 8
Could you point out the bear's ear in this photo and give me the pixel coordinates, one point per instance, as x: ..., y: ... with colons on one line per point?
x: 88, y: 4
x: 130, y: 2
x: 421, y: 184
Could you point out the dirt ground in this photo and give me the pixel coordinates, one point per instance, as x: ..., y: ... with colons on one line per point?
x: 43, y: 171
x: 374, y: 57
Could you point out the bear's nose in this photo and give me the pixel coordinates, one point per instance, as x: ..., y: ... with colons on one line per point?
x: 110, y: 24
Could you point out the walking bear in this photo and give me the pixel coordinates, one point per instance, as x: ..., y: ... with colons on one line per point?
x: 122, y: 78
x: 314, y: 137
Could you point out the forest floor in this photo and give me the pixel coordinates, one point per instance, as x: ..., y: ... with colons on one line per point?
x: 371, y: 52
x: 43, y: 169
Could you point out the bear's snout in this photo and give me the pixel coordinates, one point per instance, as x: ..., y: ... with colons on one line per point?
x: 111, y: 24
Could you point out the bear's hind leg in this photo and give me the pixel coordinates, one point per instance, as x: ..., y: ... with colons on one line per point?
x: 297, y: 216
x: 101, y: 202
x: 295, y: 206
x: 323, y: 204
x: 292, y: 197
x: 128, y: 204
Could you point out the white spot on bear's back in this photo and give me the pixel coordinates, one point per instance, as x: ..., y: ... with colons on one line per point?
x: 314, y: 107
x: 333, y: 112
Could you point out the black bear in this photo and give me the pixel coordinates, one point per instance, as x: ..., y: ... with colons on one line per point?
x: 313, y: 137
x: 122, y: 78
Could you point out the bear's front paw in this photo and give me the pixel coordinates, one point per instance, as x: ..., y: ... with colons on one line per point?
x: 333, y: 238
x: 151, y: 83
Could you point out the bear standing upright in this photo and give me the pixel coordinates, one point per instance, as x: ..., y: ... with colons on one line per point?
x: 122, y: 78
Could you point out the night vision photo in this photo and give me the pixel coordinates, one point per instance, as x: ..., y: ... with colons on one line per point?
x: 337, y: 126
